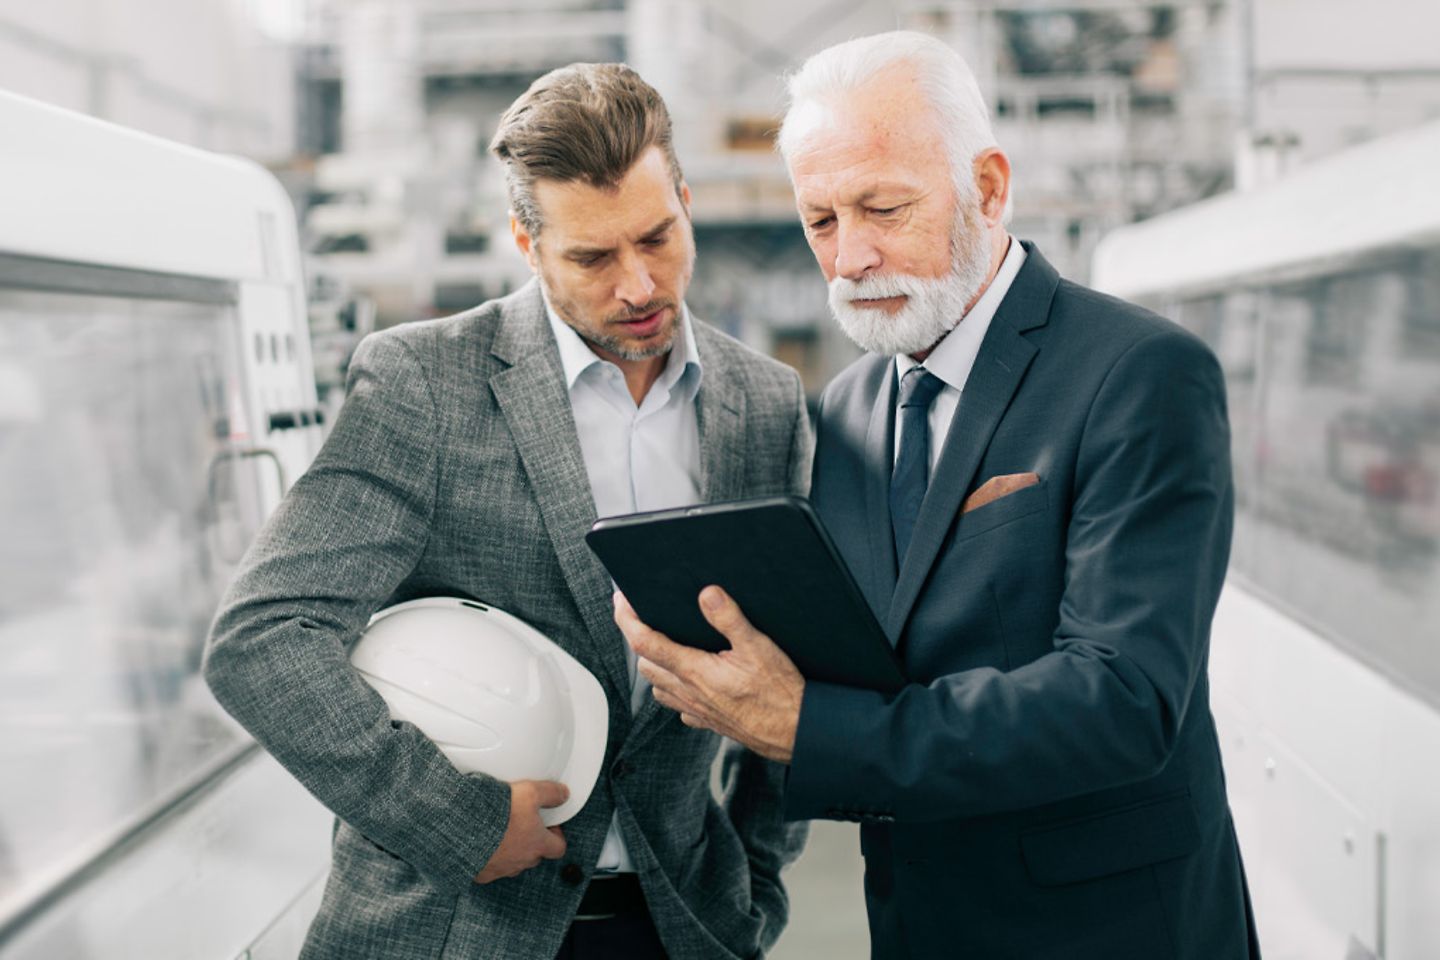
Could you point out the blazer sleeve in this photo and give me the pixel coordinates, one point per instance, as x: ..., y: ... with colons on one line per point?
x: 1146, y: 550
x: 346, y: 535
x: 753, y: 787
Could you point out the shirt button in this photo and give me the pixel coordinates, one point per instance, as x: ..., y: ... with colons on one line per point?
x: 572, y: 874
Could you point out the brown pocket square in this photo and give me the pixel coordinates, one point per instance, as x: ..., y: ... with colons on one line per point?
x: 997, y: 487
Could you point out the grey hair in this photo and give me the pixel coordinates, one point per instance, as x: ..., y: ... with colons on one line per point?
x: 946, y: 80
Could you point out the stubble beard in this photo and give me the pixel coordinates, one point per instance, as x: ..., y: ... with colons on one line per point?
x: 623, y: 347
x: 933, y: 305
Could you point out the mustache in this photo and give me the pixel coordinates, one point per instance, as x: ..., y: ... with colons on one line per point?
x: 881, y: 287
x: 641, y: 312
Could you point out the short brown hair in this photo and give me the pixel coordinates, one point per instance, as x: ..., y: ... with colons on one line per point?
x: 587, y: 121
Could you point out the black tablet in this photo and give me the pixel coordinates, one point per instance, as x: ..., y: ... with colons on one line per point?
x: 773, y: 556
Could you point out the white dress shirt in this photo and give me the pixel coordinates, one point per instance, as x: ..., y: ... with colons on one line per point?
x: 644, y: 457
x: 953, y: 359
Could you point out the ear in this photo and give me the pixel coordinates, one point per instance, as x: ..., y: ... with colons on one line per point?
x: 524, y: 243
x: 685, y: 198
x: 992, y: 179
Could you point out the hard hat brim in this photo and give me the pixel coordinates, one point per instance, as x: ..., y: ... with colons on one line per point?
x: 591, y: 711
x: 587, y: 752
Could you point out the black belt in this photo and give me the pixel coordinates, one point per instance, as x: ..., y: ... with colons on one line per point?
x: 611, y: 896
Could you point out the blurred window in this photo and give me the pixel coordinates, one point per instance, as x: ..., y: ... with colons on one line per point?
x: 121, y: 518
x: 466, y: 241
x: 1334, y: 395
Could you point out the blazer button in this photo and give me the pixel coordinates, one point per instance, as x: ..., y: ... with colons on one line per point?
x: 621, y: 769
x: 572, y: 874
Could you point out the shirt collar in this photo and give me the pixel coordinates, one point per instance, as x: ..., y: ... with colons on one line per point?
x: 576, y: 356
x: 954, y: 357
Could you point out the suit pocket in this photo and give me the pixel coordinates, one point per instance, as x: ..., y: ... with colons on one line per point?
x: 376, y: 905
x: 996, y: 513
x: 1128, y: 838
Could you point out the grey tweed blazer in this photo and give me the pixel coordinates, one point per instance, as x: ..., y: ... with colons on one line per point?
x: 454, y: 468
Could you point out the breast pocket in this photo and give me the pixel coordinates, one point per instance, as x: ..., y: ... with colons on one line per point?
x: 998, y: 513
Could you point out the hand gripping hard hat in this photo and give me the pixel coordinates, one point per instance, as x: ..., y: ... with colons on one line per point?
x: 494, y: 694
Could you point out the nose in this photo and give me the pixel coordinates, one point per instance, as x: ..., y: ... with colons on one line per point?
x: 855, y: 250
x: 634, y: 286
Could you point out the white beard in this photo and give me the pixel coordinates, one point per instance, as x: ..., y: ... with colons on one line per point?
x: 932, y: 308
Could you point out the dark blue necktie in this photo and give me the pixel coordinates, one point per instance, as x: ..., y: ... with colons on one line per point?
x: 912, y: 465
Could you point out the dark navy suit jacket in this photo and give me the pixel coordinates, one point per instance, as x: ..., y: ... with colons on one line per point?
x: 1049, y: 784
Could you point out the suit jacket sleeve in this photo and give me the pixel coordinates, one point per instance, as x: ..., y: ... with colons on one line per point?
x: 347, y: 534
x: 753, y: 786
x: 1146, y: 550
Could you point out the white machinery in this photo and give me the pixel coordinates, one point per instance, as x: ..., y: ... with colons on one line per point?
x: 156, y: 398
x: 1321, y: 296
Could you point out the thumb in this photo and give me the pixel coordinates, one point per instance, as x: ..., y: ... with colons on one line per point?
x: 725, y: 615
x: 549, y: 793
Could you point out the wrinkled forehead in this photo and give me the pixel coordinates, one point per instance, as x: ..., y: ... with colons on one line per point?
x: 851, y: 148
x: 891, y: 101
x: 889, y: 116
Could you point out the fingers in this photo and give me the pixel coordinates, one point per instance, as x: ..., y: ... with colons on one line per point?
x: 669, y: 689
x: 554, y: 844
x: 637, y: 633
x: 677, y: 703
x: 549, y: 793
x: 652, y: 644
x: 659, y: 677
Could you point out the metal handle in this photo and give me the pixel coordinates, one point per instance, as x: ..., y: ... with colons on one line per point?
x: 242, y: 453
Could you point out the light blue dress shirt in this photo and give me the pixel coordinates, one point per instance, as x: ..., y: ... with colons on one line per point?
x: 644, y: 457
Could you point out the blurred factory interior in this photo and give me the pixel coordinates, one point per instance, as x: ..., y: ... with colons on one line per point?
x: 376, y: 113
x: 375, y: 116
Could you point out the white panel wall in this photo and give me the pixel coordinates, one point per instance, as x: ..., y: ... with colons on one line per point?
x: 1346, y: 33
x: 1332, y: 73
x: 198, y: 71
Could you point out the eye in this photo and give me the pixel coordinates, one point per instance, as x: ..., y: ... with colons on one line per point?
x: 821, y: 223
x: 656, y: 241
x: 885, y: 211
x: 591, y: 260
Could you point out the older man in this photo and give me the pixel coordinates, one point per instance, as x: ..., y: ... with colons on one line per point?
x: 471, y: 456
x: 1031, y: 483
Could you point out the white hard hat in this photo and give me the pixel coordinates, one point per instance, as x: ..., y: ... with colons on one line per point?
x: 494, y: 694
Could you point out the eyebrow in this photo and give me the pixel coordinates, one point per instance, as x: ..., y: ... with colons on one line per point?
x: 576, y: 253
x: 865, y: 197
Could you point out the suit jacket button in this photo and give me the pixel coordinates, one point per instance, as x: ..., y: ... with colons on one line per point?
x: 621, y: 769
x: 572, y: 874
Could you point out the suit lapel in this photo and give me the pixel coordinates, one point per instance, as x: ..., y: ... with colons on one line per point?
x: 532, y: 397
x: 999, y: 368
x: 879, y: 462
x: 720, y: 414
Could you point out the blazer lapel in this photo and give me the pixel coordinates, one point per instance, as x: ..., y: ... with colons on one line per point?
x: 532, y: 397
x: 720, y: 414
x: 879, y: 463
x: 1004, y: 357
